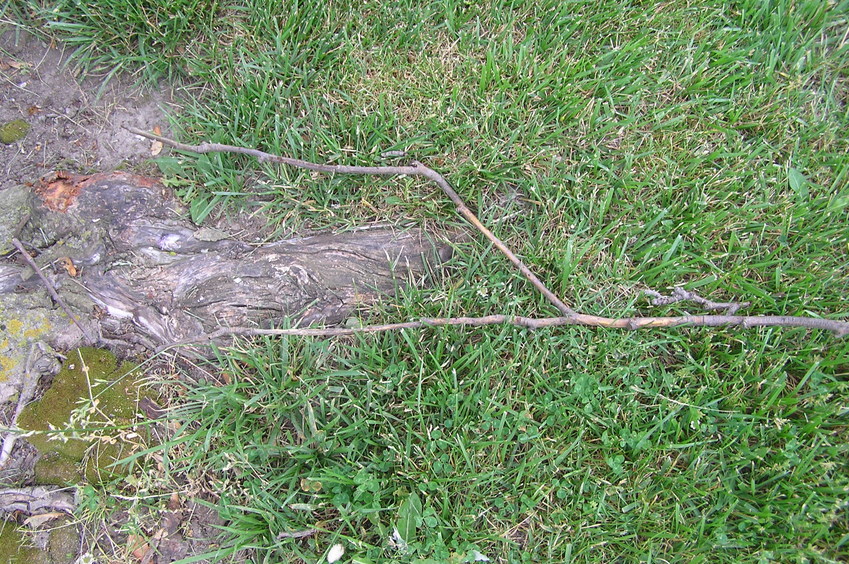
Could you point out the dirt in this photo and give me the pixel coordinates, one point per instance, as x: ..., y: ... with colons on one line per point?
x: 75, y: 122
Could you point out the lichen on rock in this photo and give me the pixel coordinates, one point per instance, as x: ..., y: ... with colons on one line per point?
x: 24, y: 322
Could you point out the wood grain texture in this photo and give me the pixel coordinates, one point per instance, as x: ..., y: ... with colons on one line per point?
x: 149, y: 270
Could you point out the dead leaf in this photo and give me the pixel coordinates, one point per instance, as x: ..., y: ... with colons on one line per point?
x: 36, y: 521
x: 32, y: 110
x: 6, y: 64
x: 309, y: 485
x: 138, y: 547
x: 68, y: 265
x: 156, y: 146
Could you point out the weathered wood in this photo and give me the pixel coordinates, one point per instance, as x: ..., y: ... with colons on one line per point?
x: 121, y: 253
x: 36, y: 500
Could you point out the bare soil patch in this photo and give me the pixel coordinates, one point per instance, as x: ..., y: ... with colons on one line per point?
x: 75, y: 122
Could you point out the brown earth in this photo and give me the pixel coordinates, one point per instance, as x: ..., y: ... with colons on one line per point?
x: 76, y: 122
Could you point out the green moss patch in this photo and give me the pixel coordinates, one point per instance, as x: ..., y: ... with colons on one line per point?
x: 13, y: 131
x: 95, y: 397
x: 13, y: 546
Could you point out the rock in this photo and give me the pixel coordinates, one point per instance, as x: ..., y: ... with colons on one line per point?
x: 67, y: 458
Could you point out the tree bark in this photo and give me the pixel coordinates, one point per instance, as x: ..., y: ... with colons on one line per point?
x: 121, y: 254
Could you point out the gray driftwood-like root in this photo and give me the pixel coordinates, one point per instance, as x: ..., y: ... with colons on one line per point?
x: 111, y: 258
x: 36, y: 500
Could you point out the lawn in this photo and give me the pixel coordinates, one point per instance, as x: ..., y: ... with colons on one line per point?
x: 616, y: 147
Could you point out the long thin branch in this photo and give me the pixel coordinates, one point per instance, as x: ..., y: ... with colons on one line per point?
x: 839, y: 328
x: 414, y: 169
x: 569, y: 316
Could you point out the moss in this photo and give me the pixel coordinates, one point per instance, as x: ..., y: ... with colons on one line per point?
x: 13, y: 546
x: 115, y: 390
x: 13, y: 131
x: 56, y: 469
x: 62, y: 545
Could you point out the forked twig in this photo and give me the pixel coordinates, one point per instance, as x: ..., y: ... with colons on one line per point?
x: 569, y: 316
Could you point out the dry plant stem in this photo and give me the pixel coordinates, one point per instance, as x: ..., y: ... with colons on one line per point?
x: 840, y: 328
x: 50, y: 289
x: 414, y: 169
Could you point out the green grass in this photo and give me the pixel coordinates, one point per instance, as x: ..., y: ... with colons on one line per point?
x: 614, y: 147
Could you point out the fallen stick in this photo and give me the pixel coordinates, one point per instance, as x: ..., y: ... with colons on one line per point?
x: 569, y: 316
x: 839, y: 328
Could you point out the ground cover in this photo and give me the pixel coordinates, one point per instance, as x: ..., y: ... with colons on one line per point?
x: 615, y: 149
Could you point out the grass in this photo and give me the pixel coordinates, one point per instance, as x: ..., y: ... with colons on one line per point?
x: 614, y: 148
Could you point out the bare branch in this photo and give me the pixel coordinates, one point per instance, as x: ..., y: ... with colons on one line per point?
x: 414, y: 169
x: 569, y: 316
x: 839, y: 328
